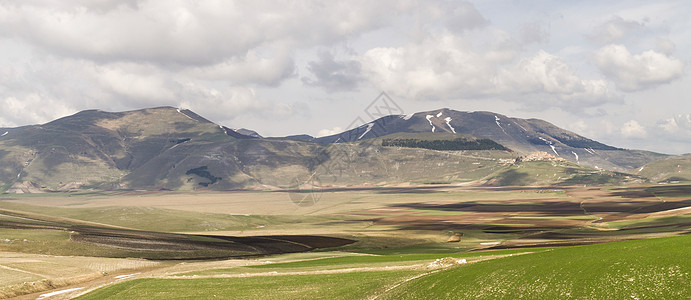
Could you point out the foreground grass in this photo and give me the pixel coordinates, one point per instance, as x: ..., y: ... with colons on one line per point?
x: 639, y: 269
x: 355, y: 285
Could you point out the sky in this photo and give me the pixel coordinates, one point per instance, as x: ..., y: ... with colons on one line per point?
x: 613, y: 71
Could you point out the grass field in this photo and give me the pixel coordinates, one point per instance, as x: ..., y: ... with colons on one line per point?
x: 399, y: 234
x: 354, y: 285
x: 639, y: 269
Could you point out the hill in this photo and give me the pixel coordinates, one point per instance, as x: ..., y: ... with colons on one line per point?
x: 167, y: 148
x: 670, y: 169
x: 523, y: 136
x: 172, y: 149
x: 109, y: 150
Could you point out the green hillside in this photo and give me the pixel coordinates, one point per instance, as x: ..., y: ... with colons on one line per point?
x: 675, y: 168
x: 640, y: 269
x: 545, y: 173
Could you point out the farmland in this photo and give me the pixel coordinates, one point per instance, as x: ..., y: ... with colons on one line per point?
x: 151, y: 244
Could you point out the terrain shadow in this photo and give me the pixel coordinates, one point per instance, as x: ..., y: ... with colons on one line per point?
x: 113, y: 241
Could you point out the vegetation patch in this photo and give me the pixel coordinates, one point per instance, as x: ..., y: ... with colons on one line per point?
x: 455, y: 144
x: 203, y: 172
x: 639, y: 269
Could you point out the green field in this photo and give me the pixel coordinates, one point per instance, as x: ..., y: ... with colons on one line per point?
x: 354, y: 285
x: 641, y: 269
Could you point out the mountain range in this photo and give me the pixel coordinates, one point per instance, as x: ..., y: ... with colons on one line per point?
x: 167, y: 148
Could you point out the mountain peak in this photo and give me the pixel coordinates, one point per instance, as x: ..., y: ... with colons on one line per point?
x: 523, y: 136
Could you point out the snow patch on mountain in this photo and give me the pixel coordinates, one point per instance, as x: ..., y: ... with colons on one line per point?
x: 554, y: 149
x: 574, y: 153
x: 407, y: 117
x: 4, y: 134
x: 429, y: 119
x: 544, y: 140
x: 180, y: 111
x: 448, y: 123
x: 519, y: 125
x: 439, y: 114
x: 496, y: 120
x: 369, y: 127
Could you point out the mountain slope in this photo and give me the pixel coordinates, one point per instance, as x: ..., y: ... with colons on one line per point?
x: 674, y: 168
x: 174, y: 149
x: 521, y: 135
x: 95, y: 147
x: 168, y: 148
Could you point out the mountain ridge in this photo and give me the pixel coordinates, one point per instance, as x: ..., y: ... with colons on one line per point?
x: 170, y: 148
x: 521, y: 135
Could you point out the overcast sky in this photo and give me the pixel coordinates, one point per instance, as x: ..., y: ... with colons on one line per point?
x: 614, y: 71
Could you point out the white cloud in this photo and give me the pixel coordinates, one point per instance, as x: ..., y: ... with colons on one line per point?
x: 253, y: 67
x: 327, y: 132
x: 678, y: 124
x: 439, y: 67
x: 637, y: 72
x: 632, y: 129
x: 33, y: 109
x: 200, y: 32
x: 448, y: 66
x: 546, y: 73
x: 136, y: 82
x: 219, y: 104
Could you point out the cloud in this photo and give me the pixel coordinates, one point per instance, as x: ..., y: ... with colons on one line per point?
x: 333, y: 75
x: 135, y: 82
x: 253, y: 67
x: 440, y: 67
x: 200, y: 32
x: 679, y: 125
x: 33, y: 108
x: 548, y: 74
x: 632, y: 129
x: 219, y: 104
x: 67, y: 86
x: 637, y: 72
x: 665, y: 46
x: 328, y: 132
x: 614, y: 30
x: 449, y: 67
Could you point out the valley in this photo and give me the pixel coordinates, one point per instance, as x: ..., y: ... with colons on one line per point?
x: 404, y: 235
x: 162, y: 203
